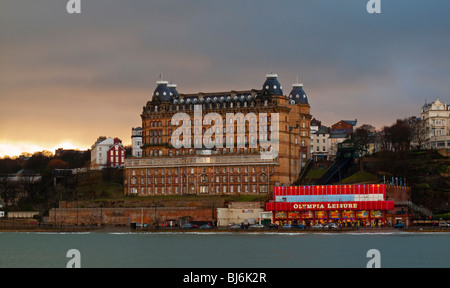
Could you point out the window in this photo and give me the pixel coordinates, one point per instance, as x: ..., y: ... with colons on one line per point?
x: 204, y: 189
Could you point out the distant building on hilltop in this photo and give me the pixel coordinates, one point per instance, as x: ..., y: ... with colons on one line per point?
x: 107, y: 152
x: 325, y: 140
x: 321, y: 143
x: 136, y: 142
x: 340, y: 132
x: 436, y: 117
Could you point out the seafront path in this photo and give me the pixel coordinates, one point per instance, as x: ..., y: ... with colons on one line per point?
x: 33, y: 226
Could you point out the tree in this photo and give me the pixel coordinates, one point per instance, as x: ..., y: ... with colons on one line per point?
x: 57, y: 164
x: 7, y: 190
x: 364, y: 136
x: 397, y: 137
x: 401, y: 135
x: 39, y: 161
x: 384, y: 138
x: 418, y: 132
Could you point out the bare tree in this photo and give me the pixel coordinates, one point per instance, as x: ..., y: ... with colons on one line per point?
x: 401, y: 135
x: 418, y: 132
x: 364, y: 136
x: 7, y: 190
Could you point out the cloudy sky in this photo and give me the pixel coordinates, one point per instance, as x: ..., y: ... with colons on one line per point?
x: 66, y: 79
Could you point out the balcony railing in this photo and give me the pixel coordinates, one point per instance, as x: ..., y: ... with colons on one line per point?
x: 202, y: 160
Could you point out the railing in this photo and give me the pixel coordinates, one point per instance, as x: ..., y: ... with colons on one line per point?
x: 340, y: 166
x: 304, y: 172
x: 187, y: 161
x: 415, y: 207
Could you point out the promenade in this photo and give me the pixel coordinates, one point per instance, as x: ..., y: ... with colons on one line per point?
x: 17, y: 225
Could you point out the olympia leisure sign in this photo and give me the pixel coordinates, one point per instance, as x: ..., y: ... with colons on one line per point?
x: 325, y: 206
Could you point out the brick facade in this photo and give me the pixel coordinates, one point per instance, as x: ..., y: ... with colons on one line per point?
x: 125, y: 216
x: 227, y: 168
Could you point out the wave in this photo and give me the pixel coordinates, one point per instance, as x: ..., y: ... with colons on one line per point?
x: 50, y: 233
x: 312, y: 233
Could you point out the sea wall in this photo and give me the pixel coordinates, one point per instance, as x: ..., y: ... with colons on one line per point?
x: 127, y: 215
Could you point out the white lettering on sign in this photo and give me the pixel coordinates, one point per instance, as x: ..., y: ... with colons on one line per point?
x: 327, y: 206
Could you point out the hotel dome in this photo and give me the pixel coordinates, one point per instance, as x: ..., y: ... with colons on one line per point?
x: 162, y: 92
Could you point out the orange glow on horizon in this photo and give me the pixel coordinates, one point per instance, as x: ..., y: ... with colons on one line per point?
x: 15, y: 149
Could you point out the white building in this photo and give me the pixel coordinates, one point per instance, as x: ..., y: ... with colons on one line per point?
x: 99, y: 152
x: 436, y: 116
x: 314, y: 127
x: 136, y: 142
x: 320, y: 143
x: 325, y: 140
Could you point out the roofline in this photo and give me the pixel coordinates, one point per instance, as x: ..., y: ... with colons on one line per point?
x: 207, y: 94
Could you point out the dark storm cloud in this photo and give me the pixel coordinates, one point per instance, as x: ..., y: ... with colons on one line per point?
x: 105, y: 61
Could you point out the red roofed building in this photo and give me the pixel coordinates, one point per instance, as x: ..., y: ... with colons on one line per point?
x: 116, y: 154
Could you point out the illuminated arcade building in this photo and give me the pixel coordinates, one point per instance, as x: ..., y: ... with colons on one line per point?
x: 346, y: 204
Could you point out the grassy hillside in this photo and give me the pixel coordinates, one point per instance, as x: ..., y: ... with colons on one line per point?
x: 426, y: 172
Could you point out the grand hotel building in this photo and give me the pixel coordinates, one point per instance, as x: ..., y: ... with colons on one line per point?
x: 223, y: 169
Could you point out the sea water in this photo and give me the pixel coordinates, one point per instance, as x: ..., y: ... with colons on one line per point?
x: 224, y: 250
